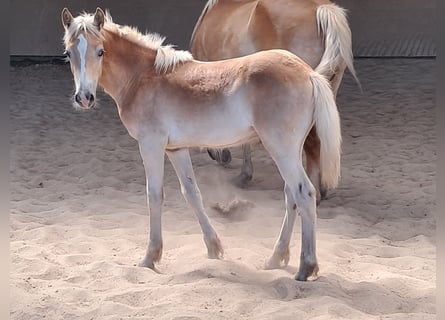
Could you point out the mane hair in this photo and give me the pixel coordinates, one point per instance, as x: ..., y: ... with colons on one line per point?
x: 166, y: 55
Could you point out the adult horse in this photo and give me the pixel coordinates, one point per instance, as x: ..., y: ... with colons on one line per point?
x: 315, y: 30
x: 170, y: 102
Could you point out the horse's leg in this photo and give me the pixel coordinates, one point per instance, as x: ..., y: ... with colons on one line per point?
x: 247, y: 169
x: 153, y: 159
x: 182, y: 164
x: 301, y: 193
x: 281, y: 250
x: 312, y: 151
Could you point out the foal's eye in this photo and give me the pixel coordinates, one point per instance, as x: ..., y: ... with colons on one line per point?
x: 100, y: 53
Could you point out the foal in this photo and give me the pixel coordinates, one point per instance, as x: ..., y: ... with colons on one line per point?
x: 169, y: 102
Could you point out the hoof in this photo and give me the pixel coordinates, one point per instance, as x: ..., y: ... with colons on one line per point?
x: 242, y: 180
x: 279, y: 259
x: 226, y: 157
x: 306, y: 271
x: 223, y: 156
x: 147, y: 263
x: 153, y: 255
x: 214, y: 248
x: 212, y: 154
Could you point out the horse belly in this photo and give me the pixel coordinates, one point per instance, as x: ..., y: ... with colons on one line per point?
x: 218, y: 126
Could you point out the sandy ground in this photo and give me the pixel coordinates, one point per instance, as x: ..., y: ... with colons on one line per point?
x: 79, y: 221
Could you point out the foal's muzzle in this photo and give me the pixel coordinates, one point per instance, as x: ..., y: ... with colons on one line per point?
x: 84, y: 100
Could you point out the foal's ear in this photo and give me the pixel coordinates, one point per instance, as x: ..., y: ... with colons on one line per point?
x: 67, y: 18
x: 99, y: 18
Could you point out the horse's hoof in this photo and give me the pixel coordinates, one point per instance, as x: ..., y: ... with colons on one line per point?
x: 214, y: 248
x: 223, y: 156
x: 147, y: 263
x: 242, y: 180
x: 226, y: 157
x: 279, y: 259
x: 212, y: 154
x: 306, y: 271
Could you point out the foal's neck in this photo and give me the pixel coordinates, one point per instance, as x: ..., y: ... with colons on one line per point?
x: 123, y: 62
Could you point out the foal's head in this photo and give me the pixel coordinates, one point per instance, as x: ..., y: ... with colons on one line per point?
x: 84, y: 49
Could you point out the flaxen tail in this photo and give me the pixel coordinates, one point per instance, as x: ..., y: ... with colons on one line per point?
x: 327, y: 122
x: 333, y: 24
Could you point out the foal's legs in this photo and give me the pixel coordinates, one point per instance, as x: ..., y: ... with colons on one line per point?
x: 299, y: 192
x: 302, y: 192
x: 281, y: 250
x: 153, y: 158
x: 182, y: 164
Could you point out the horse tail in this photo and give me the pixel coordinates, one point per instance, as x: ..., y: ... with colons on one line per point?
x: 327, y: 122
x: 333, y: 23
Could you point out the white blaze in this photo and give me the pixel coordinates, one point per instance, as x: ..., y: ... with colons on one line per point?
x: 82, y: 47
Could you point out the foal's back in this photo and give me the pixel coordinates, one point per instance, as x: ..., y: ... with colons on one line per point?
x: 220, y: 103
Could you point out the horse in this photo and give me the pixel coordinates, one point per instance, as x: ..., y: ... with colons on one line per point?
x: 170, y: 102
x: 315, y: 30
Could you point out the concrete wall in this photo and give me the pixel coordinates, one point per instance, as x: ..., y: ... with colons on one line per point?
x: 36, y: 28
x: 380, y: 27
x: 392, y: 27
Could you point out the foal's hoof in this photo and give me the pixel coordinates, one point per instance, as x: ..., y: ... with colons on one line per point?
x: 279, y: 259
x: 214, y: 248
x: 306, y: 271
x: 147, y: 263
x: 153, y: 255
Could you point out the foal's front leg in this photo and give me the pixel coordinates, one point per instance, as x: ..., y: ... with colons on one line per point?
x: 153, y: 159
x: 182, y: 163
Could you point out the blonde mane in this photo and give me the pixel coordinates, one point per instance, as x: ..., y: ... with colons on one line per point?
x: 166, y: 55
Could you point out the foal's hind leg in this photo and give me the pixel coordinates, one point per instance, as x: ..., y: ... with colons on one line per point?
x: 287, y: 156
x: 183, y: 166
x: 303, y: 194
x: 281, y: 250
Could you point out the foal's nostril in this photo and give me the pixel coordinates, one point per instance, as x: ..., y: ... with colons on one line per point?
x: 77, y: 98
x: 89, y: 97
